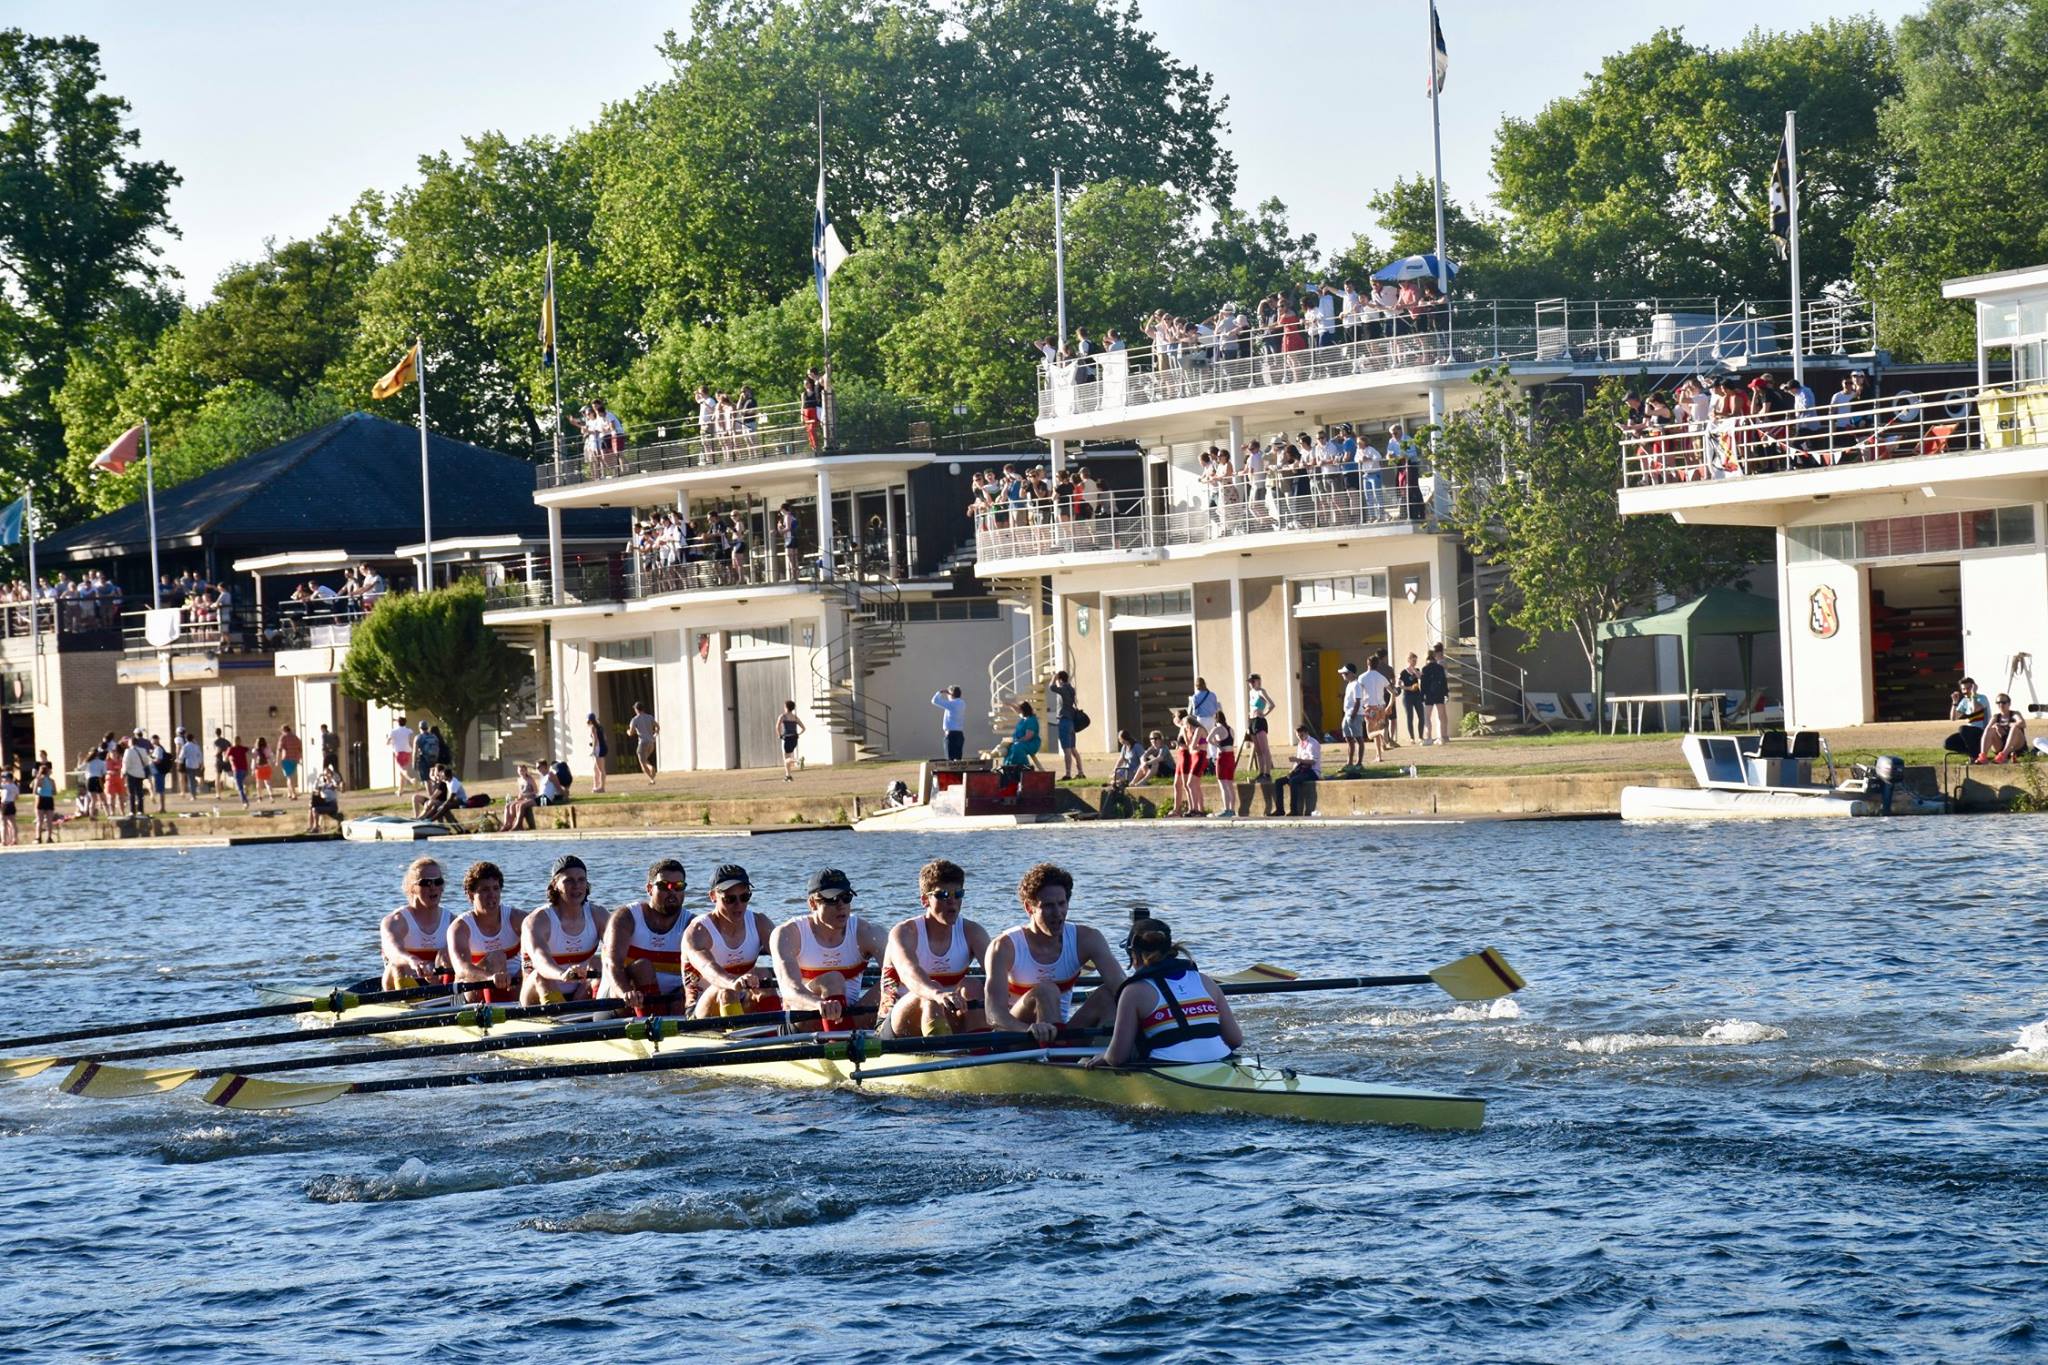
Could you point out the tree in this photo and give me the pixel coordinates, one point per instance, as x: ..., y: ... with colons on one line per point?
x: 1970, y: 128
x: 76, y: 215
x: 1533, y: 490
x: 432, y: 652
x: 1653, y: 180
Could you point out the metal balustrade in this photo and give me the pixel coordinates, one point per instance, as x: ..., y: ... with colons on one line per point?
x: 1663, y: 333
x: 1657, y: 451
x: 689, y: 449
x: 76, y: 622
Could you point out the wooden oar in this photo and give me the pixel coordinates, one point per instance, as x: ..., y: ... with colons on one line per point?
x: 95, y: 1080
x: 236, y: 1091
x: 337, y: 1002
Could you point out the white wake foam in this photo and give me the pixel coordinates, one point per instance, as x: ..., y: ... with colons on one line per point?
x: 1720, y: 1033
x: 2029, y: 1053
x: 1476, y: 1011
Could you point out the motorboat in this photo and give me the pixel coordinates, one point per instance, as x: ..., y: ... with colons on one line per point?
x: 1770, y: 776
x: 965, y: 797
x: 375, y: 829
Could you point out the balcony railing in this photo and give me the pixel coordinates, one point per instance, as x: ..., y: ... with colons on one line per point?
x: 1906, y: 425
x: 1286, y: 505
x: 623, y: 576
x: 777, y: 433
x: 245, y: 630
x: 1664, y: 333
x: 76, y: 624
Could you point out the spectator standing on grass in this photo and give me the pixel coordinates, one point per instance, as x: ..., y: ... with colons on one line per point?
x: 238, y: 767
x: 1352, y: 727
x: 1382, y: 666
x: 1377, y: 687
x: 400, y: 742
x: 1202, y: 704
x: 600, y: 750
x: 1436, y: 695
x: 1223, y: 752
x: 644, y: 728
x: 10, y: 797
x: 192, y: 762
x: 952, y: 720
x: 291, y: 752
x: 1409, y: 685
x: 135, y: 767
x: 220, y: 761
x: 162, y: 762
x: 1059, y: 696
x: 263, y: 765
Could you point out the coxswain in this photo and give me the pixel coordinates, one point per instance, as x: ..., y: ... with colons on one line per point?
x: 721, y: 950
x: 1040, y: 960
x: 643, y: 944
x: 1166, y: 1009
x: 414, y: 937
x: 925, y: 989
x: 821, y: 957
x: 483, y: 941
x: 559, y: 939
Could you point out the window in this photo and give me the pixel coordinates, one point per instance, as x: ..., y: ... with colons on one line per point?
x: 767, y: 639
x: 638, y: 649
x: 1368, y: 589
x: 1149, y: 606
x: 1934, y: 533
x: 967, y: 609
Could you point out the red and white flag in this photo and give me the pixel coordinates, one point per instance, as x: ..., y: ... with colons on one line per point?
x: 122, y: 453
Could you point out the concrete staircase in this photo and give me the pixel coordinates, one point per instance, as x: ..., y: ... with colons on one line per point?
x: 1021, y: 671
x: 873, y: 636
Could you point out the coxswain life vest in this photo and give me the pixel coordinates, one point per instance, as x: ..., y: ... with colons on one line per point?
x: 946, y: 969
x: 847, y: 957
x: 567, y: 949
x: 1027, y: 971
x: 1186, y: 1024
x: 662, y: 951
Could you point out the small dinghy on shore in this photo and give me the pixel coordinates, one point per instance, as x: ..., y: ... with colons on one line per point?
x: 1770, y: 777
x: 374, y: 829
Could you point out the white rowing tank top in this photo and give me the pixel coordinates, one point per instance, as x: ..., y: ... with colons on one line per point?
x: 814, y: 959
x: 662, y: 951
x: 567, y: 949
x: 1027, y: 971
x: 481, y: 945
x: 948, y: 968
x: 422, y: 945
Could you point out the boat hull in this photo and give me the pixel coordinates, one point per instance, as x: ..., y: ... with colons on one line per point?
x: 1726, y: 803
x: 373, y: 829
x: 1232, y: 1086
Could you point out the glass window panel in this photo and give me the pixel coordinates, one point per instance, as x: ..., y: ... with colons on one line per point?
x: 1997, y: 321
x: 2033, y: 315
x: 2015, y: 526
x: 1980, y: 529
x: 982, y: 610
x: 1906, y: 537
x: 1938, y: 533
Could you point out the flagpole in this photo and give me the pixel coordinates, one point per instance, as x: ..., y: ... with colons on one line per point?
x: 1059, y: 259
x: 1792, y: 204
x: 827, y: 417
x: 1443, y: 263
x: 419, y: 356
x: 156, y: 577
x: 555, y: 347
x: 35, y: 607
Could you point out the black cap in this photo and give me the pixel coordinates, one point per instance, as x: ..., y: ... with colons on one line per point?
x: 730, y: 874
x: 830, y: 879
x: 564, y: 863
x: 667, y: 865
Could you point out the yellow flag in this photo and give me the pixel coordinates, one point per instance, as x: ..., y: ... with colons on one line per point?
x: 401, y: 375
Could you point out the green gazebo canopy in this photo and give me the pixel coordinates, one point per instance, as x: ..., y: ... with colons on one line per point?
x: 1719, y: 611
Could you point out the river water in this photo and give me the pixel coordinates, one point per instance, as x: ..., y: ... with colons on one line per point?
x: 1772, y: 1093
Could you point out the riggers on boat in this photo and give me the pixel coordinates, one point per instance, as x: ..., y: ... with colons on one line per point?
x: 1230, y: 1086
x: 1769, y: 776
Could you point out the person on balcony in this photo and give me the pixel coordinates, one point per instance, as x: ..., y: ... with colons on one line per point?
x: 1851, y: 420
x: 786, y: 529
x: 813, y: 403
x: 1293, y: 342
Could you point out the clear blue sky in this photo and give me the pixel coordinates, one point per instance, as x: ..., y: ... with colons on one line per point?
x: 279, y: 115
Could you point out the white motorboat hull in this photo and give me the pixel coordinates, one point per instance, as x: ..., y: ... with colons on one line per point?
x: 1726, y: 803
x: 374, y: 829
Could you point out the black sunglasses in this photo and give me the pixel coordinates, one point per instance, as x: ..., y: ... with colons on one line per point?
x: 432, y: 881
x: 837, y: 898
x: 944, y: 895
x: 741, y: 896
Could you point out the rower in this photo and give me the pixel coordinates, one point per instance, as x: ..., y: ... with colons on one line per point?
x: 1041, y: 959
x: 643, y: 944
x: 1166, y: 1009
x: 820, y: 958
x: 559, y: 939
x: 414, y: 937
x: 720, y: 950
x: 925, y: 990
x: 483, y: 941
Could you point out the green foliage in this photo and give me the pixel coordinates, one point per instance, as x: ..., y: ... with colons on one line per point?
x: 1654, y: 179
x: 1970, y: 129
x: 76, y: 215
x: 432, y: 652
x: 1572, y: 559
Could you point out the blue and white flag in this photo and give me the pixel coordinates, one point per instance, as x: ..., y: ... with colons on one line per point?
x: 12, y: 517
x: 1441, y: 62
x: 827, y: 254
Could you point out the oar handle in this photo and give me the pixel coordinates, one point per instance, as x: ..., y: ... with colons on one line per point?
x: 338, y: 1001
x: 1324, y: 983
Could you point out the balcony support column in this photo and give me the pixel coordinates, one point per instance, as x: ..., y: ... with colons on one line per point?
x: 890, y: 527
x: 1059, y: 457
x: 824, y: 524
x: 1236, y: 438
x: 1145, y: 511
x: 554, y: 556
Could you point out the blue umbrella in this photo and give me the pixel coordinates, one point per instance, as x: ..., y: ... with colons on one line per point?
x: 1412, y: 268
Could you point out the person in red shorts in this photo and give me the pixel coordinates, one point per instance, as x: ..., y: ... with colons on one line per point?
x: 1223, y: 750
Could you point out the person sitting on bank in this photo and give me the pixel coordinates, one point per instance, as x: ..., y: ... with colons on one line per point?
x: 1022, y: 750
x: 1307, y: 771
x: 2005, y: 734
x: 1968, y: 709
x: 519, y: 803
x: 325, y: 800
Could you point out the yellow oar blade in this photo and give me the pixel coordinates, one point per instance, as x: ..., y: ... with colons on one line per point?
x: 99, y: 1082
x: 1484, y: 975
x: 247, y: 1092
x: 20, y: 1068
x: 1259, y: 971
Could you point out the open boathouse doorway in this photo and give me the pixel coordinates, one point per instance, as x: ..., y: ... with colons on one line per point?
x: 1154, y: 657
x: 1916, y: 640
x: 1336, y: 621
x: 625, y: 674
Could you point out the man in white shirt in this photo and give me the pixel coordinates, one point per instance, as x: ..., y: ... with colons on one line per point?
x: 399, y: 741
x: 135, y: 769
x: 1307, y: 771
x: 1377, y: 685
x: 952, y: 720
x: 1371, y: 506
x: 191, y: 762
x: 1354, y: 715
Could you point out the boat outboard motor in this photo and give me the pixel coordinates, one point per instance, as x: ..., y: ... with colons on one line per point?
x: 1886, y: 772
